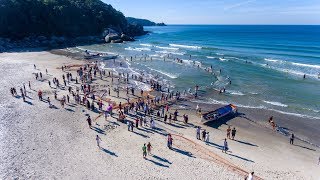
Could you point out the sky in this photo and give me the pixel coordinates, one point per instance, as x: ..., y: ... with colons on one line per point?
x: 222, y: 11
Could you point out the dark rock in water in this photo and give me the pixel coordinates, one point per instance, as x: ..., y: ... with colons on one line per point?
x: 113, y: 36
x: 125, y: 37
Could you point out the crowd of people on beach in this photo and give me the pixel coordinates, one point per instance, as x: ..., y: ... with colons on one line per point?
x: 145, y: 109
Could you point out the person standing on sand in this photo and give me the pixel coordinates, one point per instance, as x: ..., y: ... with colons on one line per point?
x: 169, y: 144
x: 137, y: 123
x: 144, y: 151
x: 145, y: 121
x: 162, y: 111
x: 228, y: 132
x: 204, y: 134
x: 49, y: 102
x: 40, y: 95
x: 198, y: 132
x: 233, y: 133
x: 106, y: 115
x: 131, y: 126
x: 250, y: 176
x: 292, y: 138
x: 68, y: 98
x: 207, y: 138
x: 128, y: 124
x: 225, y: 146
x: 23, y: 97
x: 98, y: 139
x: 149, y: 148
x: 24, y: 89
x: 165, y: 118
x: 89, y: 122
x: 272, y: 123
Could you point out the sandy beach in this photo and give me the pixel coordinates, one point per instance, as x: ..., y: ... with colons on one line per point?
x: 39, y: 142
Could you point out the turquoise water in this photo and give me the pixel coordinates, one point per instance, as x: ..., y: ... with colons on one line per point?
x: 265, y: 64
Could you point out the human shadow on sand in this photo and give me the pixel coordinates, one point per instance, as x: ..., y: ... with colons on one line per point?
x: 162, y: 159
x: 109, y: 152
x: 68, y: 109
x: 142, y: 135
x: 53, y: 106
x: 157, y: 163
x: 215, y: 145
x: 187, y: 153
x: 304, y: 147
x: 98, y: 130
x: 246, y: 143
x: 221, y: 121
x: 176, y: 125
x: 145, y: 130
x: 28, y: 102
x: 245, y: 159
x: 159, y: 131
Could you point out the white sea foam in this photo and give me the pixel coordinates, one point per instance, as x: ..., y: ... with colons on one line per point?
x: 142, y: 86
x: 295, y: 72
x: 223, y: 59
x: 296, y: 114
x: 210, y: 57
x: 148, y: 45
x: 169, y: 52
x: 168, y: 48
x: 213, y: 101
x: 137, y: 49
x: 272, y: 60
x: 220, y: 54
x: 185, y: 46
x: 276, y: 103
x: 96, y: 51
x: 307, y: 65
x: 235, y: 92
x: 71, y: 50
x: 191, y: 62
x: 170, y: 75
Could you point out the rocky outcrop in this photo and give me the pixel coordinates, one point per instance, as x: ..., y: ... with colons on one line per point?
x: 114, y: 37
x: 125, y: 37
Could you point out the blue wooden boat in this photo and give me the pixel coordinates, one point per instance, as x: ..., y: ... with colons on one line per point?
x: 219, y: 113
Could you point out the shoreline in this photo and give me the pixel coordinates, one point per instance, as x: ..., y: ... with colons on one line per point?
x: 57, y: 143
x: 285, y: 121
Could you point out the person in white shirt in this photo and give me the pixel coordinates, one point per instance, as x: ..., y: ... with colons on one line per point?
x: 98, y: 141
x: 250, y: 176
x: 207, y: 138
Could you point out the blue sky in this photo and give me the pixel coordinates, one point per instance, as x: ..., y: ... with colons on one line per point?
x: 222, y: 11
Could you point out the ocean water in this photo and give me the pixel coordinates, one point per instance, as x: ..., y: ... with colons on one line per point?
x: 265, y: 64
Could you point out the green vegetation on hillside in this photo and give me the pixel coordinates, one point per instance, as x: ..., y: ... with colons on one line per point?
x: 71, y: 18
x: 143, y: 22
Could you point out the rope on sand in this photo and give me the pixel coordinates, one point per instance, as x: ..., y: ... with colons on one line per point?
x: 216, y: 157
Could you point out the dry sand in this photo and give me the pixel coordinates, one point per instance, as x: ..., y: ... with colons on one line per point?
x: 38, y: 142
